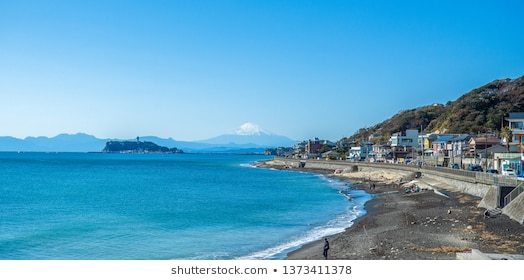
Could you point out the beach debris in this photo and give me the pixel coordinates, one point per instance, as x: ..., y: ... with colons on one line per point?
x: 440, y: 193
x: 449, y: 211
x: 478, y: 255
x: 492, y: 213
x: 469, y: 227
x: 442, y: 249
x: 412, y: 189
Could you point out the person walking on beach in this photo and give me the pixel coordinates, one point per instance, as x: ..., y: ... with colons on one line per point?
x: 326, y: 248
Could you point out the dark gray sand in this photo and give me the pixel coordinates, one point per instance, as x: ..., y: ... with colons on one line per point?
x: 418, y: 226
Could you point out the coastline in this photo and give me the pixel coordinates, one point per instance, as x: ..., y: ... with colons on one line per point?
x: 355, y: 198
x: 422, y: 225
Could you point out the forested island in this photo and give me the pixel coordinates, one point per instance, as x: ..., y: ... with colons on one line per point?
x: 138, y: 147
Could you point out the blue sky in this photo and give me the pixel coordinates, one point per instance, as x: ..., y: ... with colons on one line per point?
x: 195, y: 69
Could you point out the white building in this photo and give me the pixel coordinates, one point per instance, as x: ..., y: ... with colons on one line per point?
x: 409, y: 139
x: 516, y: 124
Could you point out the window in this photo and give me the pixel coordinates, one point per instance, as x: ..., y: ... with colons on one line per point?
x: 517, y: 125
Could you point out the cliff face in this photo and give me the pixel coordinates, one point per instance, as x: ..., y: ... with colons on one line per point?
x: 136, y: 147
x: 480, y: 110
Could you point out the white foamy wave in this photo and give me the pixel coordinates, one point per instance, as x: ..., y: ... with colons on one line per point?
x: 251, y: 165
x: 211, y: 256
x: 335, y: 226
x: 335, y: 183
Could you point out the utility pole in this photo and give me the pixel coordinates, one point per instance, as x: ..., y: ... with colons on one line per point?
x: 452, y: 152
x: 486, y: 151
x: 461, y: 160
x: 423, y: 151
x: 520, y: 145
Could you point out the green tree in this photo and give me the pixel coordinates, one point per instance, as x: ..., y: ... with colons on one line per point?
x: 325, y: 148
x: 505, y: 133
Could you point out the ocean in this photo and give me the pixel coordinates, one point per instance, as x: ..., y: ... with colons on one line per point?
x: 164, y: 206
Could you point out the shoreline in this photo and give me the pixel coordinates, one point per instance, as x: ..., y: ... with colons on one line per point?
x: 345, y: 190
x: 421, y: 225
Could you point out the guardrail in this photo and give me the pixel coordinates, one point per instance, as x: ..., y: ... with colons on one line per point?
x: 465, y: 175
x: 513, y: 194
x: 494, y: 179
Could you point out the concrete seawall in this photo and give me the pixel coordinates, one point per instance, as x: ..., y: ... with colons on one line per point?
x: 464, y: 184
x: 478, y: 184
x: 515, y: 209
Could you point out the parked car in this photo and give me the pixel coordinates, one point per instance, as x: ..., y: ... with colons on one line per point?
x: 475, y: 167
x: 492, y: 171
x: 455, y: 166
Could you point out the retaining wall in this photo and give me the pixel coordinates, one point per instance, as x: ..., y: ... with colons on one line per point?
x: 515, y: 209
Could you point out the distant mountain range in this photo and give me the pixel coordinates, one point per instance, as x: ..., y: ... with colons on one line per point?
x: 480, y: 110
x: 243, y: 141
x: 261, y: 140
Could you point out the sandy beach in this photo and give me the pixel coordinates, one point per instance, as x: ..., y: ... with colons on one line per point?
x: 419, y: 225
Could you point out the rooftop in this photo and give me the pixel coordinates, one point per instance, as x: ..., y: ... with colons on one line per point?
x: 461, y: 137
x: 516, y: 115
x: 486, y: 139
x: 444, y: 138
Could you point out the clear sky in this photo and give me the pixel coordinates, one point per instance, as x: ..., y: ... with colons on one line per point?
x: 196, y: 69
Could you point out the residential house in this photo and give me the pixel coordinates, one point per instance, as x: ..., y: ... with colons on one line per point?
x: 458, y: 145
x: 366, y: 149
x: 425, y: 142
x: 503, y: 161
x: 354, y: 154
x: 315, y: 147
x: 381, y: 152
x: 299, y: 150
x: 408, y: 139
x: 401, y: 154
x: 514, y: 159
x: 440, y: 144
x: 516, y: 124
x: 482, y: 142
x: 404, y: 146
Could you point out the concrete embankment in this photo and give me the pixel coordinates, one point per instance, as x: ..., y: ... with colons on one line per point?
x: 456, y: 182
x: 478, y: 184
x: 515, y: 209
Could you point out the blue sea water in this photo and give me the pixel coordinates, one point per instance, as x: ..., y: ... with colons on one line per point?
x: 179, y: 206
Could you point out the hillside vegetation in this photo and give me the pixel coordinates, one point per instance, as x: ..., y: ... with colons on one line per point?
x: 480, y: 110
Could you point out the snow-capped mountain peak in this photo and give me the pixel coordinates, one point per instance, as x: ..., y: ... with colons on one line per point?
x: 249, y: 128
